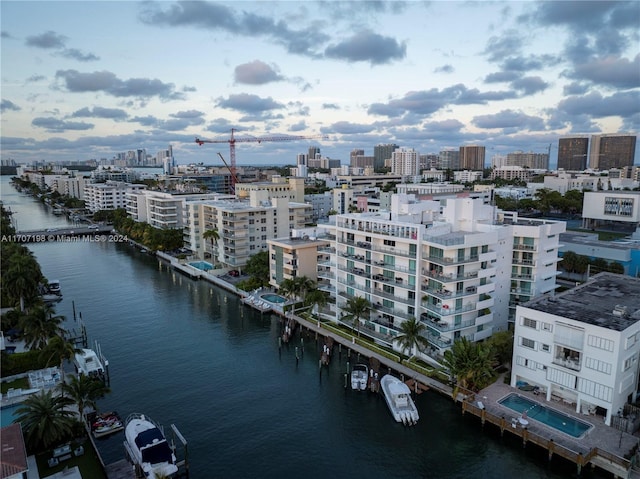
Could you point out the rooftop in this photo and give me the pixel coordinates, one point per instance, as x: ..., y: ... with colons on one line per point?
x: 607, y: 300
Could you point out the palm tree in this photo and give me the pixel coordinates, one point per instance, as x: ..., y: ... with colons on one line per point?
x: 21, y: 278
x: 214, y: 236
x: 315, y: 297
x: 471, y: 364
x: 84, y: 391
x: 411, y: 336
x: 57, y: 350
x: 356, y: 308
x: 40, y: 325
x: 303, y: 285
x: 288, y: 288
x: 45, y: 420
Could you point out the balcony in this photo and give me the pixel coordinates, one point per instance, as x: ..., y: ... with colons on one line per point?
x: 443, y: 326
x: 525, y: 262
x: 445, y: 294
x: 573, y: 364
x: 447, y: 261
x: 524, y: 247
x: 445, y: 310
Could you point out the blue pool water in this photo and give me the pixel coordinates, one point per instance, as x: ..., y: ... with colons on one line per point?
x: 6, y: 414
x: 202, y: 265
x: 550, y: 417
x: 274, y: 298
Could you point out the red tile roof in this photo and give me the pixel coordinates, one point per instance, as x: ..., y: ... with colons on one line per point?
x: 13, y: 459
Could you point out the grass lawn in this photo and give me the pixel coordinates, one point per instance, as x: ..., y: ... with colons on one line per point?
x: 88, y: 463
x: 22, y: 383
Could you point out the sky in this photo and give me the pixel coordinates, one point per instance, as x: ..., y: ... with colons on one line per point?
x: 86, y: 80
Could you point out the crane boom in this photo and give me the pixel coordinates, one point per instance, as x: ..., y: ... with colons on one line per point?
x: 232, y: 140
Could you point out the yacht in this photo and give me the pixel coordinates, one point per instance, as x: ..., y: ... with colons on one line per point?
x: 148, y: 448
x: 88, y: 363
x: 398, y: 397
x: 359, y: 377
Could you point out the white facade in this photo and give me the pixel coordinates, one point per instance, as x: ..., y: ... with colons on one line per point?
x: 582, y: 346
x: 616, y: 206
x: 108, y: 196
x: 405, y: 162
x: 449, y: 264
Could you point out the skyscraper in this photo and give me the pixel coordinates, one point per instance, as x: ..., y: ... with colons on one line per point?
x: 405, y: 161
x: 537, y: 161
x: 612, y: 151
x: 450, y: 159
x: 314, y: 153
x: 355, y: 153
x: 572, y: 153
x: 472, y: 157
x: 381, y: 153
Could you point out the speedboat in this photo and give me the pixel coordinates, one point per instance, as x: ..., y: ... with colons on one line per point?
x: 54, y: 287
x: 398, y: 397
x: 148, y: 448
x: 359, y: 377
x: 88, y: 363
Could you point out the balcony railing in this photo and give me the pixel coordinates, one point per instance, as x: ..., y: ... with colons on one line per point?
x: 446, y: 261
x: 447, y: 311
x: 567, y: 363
x: 444, y: 326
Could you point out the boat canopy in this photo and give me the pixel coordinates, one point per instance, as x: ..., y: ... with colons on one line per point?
x: 154, y: 447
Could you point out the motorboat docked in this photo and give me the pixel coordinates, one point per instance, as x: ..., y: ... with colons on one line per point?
x: 54, y: 287
x: 105, y: 423
x: 359, y: 377
x: 398, y: 397
x: 88, y: 363
x: 148, y: 448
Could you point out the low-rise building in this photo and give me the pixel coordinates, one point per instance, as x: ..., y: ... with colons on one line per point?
x: 582, y: 346
x: 108, y: 196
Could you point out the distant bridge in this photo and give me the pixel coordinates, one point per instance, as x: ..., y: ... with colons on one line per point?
x: 67, y: 235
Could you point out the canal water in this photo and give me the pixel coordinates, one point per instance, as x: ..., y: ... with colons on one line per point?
x: 188, y: 353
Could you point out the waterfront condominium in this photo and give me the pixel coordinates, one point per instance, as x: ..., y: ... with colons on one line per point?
x: 581, y: 347
x: 108, y: 196
x: 242, y: 226
x: 450, y: 264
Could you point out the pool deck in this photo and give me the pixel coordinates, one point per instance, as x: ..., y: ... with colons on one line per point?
x: 600, y: 436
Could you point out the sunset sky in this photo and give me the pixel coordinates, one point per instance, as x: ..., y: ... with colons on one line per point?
x: 89, y: 79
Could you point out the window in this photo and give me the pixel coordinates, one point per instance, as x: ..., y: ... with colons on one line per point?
x: 545, y: 348
x: 546, y: 327
x: 530, y: 323
x: 528, y: 343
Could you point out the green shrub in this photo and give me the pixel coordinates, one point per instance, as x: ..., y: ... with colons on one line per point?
x: 19, y: 363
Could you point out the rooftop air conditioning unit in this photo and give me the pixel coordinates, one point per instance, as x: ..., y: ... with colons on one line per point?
x: 620, y: 311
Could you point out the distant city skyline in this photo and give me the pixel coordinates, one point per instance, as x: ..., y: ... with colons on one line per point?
x: 87, y: 80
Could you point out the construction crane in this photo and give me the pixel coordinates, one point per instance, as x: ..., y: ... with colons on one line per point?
x: 252, y: 139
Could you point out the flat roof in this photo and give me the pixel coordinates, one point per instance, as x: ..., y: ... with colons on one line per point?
x: 607, y: 300
x: 591, y: 239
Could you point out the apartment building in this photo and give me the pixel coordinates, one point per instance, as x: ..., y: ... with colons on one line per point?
x: 295, y: 257
x: 278, y: 187
x: 243, y: 227
x: 611, y: 209
x: 108, y: 196
x: 162, y: 209
x: 581, y: 346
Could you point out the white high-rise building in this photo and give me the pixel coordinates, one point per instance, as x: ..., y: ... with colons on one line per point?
x: 108, y: 196
x: 405, y: 162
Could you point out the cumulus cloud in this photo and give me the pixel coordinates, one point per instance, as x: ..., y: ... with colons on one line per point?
x: 55, y: 125
x: 501, y: 77
x: 256, y: 73
x: 35, y: 78
x: 100, y: 112
x: 347, y: 127
x: 623, y: 104
x: 76, y: 54
x: 218, y: 17
x: 47, y: 40
x: 299, y: 126
x: 179, y: 121
x: 426, y: 102
x: 444, y: 69
x: 509, y: 119
x: 367, y: 46
x: 6, y: 105
x: 330, y: 106
x: 108, y: 82
x: 248, y: 103
x: 609, y: 71
x: 503, y: 46
x: 529, y: 85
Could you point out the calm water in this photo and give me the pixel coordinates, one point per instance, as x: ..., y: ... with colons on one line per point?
x: 187, y: 353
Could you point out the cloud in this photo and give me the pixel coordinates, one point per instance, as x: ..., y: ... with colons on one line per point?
x: 501, y: 77
x: 214, y: 16
x: 179, y: 121
x: 528, y: 63
x: 5, y: 34
x: 248, y: 103
x: 35, y: 78
x: 47, y: 40
x: 76, y: 54
x: 426, y: 102
x: 55, y: 125
x: 444, y: 69
x: 256, y: 73
x: 367, y: 46
x: 585, y: 15
x: 100, y: 112
x: 529, y: 85
x: 330, y: 106
x: 504, y: 46
x: 509, y: 119
x: 347, y: 127
x: 623, y: 104
x: 609, y: 71
x: 107, y: 82
x: 300, y: 126
x: 6, y: 105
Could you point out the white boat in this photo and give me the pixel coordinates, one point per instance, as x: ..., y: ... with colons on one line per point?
x: 398, y: 397
x: 359, y: 377
x: 148, y: 448
x: 88, y: 363
x: 54, y: 287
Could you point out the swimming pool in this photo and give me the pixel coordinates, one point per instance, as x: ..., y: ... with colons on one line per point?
x: 550, y: 417
x: 7, y: 414
x: 274, y: 298
x: 201, y: 265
